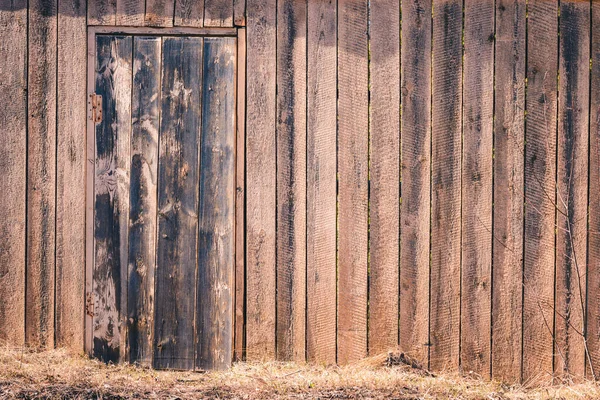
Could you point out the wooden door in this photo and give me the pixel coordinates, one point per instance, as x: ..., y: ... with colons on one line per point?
x: 162, y: 114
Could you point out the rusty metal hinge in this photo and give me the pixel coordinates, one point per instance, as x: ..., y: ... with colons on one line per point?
x: 89, y: 304
x: 96, y: 102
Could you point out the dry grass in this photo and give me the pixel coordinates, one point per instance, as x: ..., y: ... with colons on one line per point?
x: 59, y: 374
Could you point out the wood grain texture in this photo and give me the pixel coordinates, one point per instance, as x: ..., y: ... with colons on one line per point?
x: 102, y: 12
x: 239, y: 12
x: 129, y: 12
x: 218, y: 13
x: 70, y: 175
x: 416, y: 177
x: 160, y: 13
x: 384, y: 236
x: 261, y: 181
x: 291, y: 180
x: 178, y: 176
x: 321, y: 188
x: 13, y: 163
x: 141, y: 262
x: 353, y: 169
x: 189, y: 13
x: 216, y: 237
x: 111, y: 203
x: 509, y: 142
x: 572, y: 190
x: 240, y: 200
x: 446, y: 185
x: 540, y: 175
x: 593, y: 264
x: 41, y: 174
x: 478, y: 127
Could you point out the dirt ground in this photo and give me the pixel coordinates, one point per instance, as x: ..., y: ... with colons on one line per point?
x: 58, y: 374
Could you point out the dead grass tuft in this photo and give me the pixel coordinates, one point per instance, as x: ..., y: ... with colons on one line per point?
x: 58, y: 374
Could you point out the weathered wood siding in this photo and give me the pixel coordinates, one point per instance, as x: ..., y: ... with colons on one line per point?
x: 418, y: 174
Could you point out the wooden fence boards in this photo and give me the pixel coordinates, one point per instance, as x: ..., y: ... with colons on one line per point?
x: 384, y: 175
x: 353, y: 160
x: 178, y: 174
x: 321, y: 184
x: 260, y: 181
x: 478, y: 127
x: 41, y: 173
x: 216, y: 237
x: 111, y: 202
x: 291, y: 180
x: 70, y: 174
x: 446, y: 185
x: 593, y: 264
x: 540, y: 175
x: 509, y: 142
x: 141, y: 263
x: 572, y: 189
x: 416, y: 174
x: 13, y: 163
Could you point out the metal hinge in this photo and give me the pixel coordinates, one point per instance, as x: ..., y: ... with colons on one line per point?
x: 89, y: 304
x: 96, y: 103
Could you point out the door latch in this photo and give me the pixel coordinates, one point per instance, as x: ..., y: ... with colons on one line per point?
x: 96, y: 102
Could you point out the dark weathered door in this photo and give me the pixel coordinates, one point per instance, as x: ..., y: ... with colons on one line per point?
x: 163, y: 252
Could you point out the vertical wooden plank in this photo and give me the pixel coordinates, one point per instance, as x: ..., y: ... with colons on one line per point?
x: 478, y: 126
x: 240, y: 200
x: 353, y: 160
x: 385, y: 175
x: 291, y: 180
x: 572, y: 189
x: 321, y: 191
x: 70, y: 174
x: 102, y: 12
x: 509, y: 141
x: 141, y: 263
x: 13, y: 161
x: 216, y: 237
x: 446, y: 185
x: 178, y: 203
x: 239, y: 12
x: 189, y: 13
x: 160, y: 13
x: 130, y: 12
x: 218, y: 13
x: 260, y: 181
x: 416, y: 177
x: 113, y: 83
x: 41, y: 173
x: 593, y: 265
x: 540, y: 175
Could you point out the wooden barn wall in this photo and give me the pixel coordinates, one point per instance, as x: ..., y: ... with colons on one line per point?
x: 422, y: 176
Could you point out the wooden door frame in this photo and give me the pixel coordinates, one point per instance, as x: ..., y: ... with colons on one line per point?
x: 239, y: 167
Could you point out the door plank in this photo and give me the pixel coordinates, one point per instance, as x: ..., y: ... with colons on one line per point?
x: 178, y: 167
x: 416, y: 178
x: 216, y: 237
x: 70, y: 175
x: 353, y: 134
x: 385, y: 175
x: 321, y: 188
x: 572, y: 180
x: 102, y: 12
x: 218, y: 13
x: 189, y: 13
x: 509, y: 141
x: 540, y: 175
x: 446, y: 185
x: 41, y: 174
x: 141, y: 264
x: 130, y: 12
x: 13, y: 161
x: 113, y: 83
x: 291, y: 180
x: 478, y: 127
x: 261, y: 181
x: 160, y: 13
